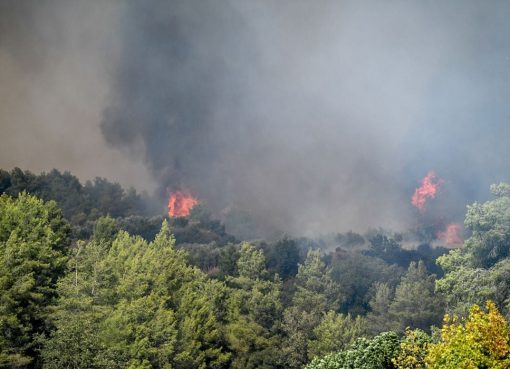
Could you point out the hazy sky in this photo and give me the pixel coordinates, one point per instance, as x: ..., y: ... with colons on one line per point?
x: 55, y: 62
x: 311, y: 115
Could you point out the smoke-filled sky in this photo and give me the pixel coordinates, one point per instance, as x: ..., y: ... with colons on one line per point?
x: 313, y: 116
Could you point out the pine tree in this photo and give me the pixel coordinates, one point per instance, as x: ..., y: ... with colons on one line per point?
x: 133, y: 304
x: 415, y: 304
x: 315, y: 294
x: 254, y: 312
x: 34, y: 241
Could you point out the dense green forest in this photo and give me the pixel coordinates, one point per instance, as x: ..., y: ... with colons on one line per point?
x: 92, y: 277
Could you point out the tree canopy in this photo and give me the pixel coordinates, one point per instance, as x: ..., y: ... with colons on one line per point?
x: 34, y: 240
x: 112, y: 288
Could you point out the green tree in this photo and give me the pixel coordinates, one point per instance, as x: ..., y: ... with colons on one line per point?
x: 34, y: 242
x: 254, y: 312
x: 134, y: 304
x: 489, y: 224
x: 251, y: 264
x: 378, y: 319
x: 335, y: 332
x: 374, y: 353
x: 356, y: 274
x: 75, y: 343
x: 5, y: 181
x: 228, y: 260
x: 283, y: 258
x: 105, y: 230
x: 316, y: 292
x: 81, y: 205
x: 481, y: 270
x: 415, y: 304
x: 463, y: 285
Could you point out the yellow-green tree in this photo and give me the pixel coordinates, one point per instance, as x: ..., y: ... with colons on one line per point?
x: 480, y: 341
x: 413, y: 350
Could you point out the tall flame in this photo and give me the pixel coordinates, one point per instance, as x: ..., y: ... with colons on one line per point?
x: 451, y: 235
x: 180, y: 203
x: 428, y: 190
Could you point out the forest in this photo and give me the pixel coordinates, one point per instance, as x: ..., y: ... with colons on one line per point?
x: 92, y: 277
x: 242, y: 184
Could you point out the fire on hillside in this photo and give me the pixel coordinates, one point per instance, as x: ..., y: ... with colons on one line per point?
x: 180, y: 203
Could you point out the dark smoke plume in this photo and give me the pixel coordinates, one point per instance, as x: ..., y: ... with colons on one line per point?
x: 316, y: 116
x: 312, y: 116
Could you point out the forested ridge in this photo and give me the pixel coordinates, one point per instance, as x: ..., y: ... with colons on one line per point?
x: 91, y: 276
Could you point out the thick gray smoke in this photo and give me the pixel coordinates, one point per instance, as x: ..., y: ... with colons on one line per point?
x: 312, y: 116
x: 56, y: 57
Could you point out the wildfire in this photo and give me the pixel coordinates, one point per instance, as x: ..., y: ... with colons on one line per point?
x: 180, y: 203
x: 429, y: 187
x: 451, y: 235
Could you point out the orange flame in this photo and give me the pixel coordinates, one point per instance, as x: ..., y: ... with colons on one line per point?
x: 180, y: 203
x: 428, y: 190
x: 451, y: 235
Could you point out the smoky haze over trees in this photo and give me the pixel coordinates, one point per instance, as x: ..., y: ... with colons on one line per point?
x: 180, y: 298
x: 312, y: 116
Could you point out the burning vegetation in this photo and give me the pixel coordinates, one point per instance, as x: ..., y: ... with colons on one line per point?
x: 180, y: 203
x: 428, y: 190
x: 451, y: 235
x: 211, y: 269
x: 258, y: 131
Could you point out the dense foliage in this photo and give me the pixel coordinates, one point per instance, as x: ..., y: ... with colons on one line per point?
x: 83, y: 205
x: 374, y: 353
x: 103, y: 284
x: 482, y: 340
x: 34, y: 241
x: 129, y: 303
x: 481, y: 270
x: 78, y: 202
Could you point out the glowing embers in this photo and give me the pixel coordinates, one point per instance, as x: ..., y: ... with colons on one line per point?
x: 180, y: 203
